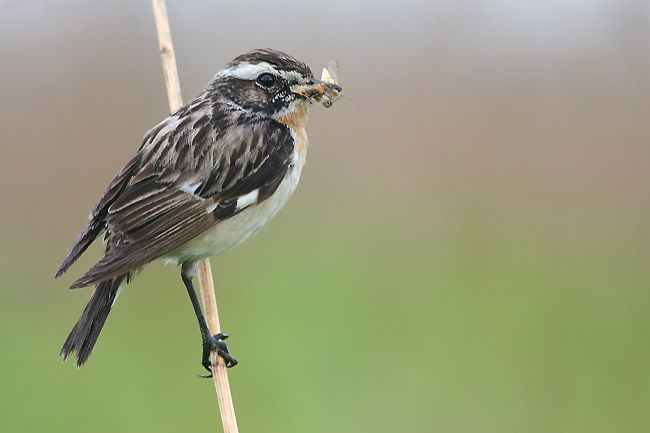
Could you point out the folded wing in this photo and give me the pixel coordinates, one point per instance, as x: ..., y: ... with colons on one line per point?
x: 158, y: 211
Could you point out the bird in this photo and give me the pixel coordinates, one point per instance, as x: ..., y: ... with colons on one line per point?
x: 205, y: 179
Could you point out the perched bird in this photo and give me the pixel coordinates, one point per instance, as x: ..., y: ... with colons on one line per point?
x: 205, y: 179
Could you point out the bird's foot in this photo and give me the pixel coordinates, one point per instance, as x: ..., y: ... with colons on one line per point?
x: 216, y: 342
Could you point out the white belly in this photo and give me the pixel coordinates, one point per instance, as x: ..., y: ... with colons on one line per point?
x: 235, y: 230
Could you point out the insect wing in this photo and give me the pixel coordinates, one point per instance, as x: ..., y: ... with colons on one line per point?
x: 333, y: 69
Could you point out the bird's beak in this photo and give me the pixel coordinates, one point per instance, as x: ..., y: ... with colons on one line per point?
x: 318, y: 90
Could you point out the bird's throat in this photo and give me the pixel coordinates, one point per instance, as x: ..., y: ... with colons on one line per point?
x: 296, y: 119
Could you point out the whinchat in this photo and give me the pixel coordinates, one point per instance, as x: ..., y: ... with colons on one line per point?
x: 205, y: 179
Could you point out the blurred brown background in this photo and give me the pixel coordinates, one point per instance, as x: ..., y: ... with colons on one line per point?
x: 467, y: 252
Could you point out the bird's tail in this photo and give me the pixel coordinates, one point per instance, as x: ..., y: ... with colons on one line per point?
x: 84, y: 335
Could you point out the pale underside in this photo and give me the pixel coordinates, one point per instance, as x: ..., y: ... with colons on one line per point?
x: 242, y: 226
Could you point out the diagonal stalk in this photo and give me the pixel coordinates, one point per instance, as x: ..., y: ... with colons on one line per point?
x: 206, y: 285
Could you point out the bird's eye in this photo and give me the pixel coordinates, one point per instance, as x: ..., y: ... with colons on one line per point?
x: 266, y: 80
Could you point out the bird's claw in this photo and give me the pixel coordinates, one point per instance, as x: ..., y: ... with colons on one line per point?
x: 216, y: 342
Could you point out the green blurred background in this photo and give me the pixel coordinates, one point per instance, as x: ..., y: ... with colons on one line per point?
x: 467, y: 252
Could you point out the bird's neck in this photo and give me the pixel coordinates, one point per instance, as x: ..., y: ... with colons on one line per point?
x: 296, y: 119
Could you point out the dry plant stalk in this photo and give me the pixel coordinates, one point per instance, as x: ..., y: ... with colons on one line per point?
x: 172, y: 83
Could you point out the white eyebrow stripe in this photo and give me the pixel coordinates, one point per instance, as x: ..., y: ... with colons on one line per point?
x: 292, y: 76
x: 250, y: 71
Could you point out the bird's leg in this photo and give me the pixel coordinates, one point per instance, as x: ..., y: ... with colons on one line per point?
x: 209, y: 342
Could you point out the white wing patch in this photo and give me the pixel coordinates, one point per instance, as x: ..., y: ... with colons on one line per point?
x: 247, y: 199
x: 191, y: 188
x: 242, y: 201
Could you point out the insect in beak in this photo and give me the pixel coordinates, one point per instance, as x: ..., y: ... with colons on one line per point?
x: 326, y: 90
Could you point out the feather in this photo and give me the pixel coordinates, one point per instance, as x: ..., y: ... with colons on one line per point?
x: 153, y: 213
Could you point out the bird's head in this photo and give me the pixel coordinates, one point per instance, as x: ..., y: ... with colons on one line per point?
x: 272, y: 84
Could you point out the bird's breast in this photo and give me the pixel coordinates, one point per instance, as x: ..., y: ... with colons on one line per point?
x: 300, y: 143
x: 296, y: 121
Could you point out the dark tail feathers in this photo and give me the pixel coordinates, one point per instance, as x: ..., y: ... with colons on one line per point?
x: 84, y: 335
x: 83, y: 241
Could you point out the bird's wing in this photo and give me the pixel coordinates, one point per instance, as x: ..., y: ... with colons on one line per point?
x: 97, y: 222
x: 168, y: 202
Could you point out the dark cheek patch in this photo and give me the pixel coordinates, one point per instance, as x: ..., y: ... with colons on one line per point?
x: 254, y: 95
x: 250, y: 96
x: 281, y: 100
